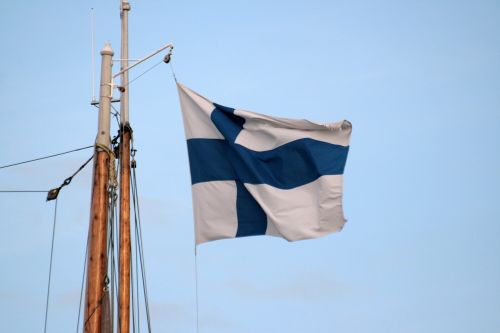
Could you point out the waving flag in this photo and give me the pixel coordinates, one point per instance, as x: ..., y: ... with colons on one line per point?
x: 253, y: 174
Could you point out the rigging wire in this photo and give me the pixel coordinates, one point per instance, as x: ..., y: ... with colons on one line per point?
x: 115, y: 240
x: 44, y: 157
x: 23, y: 191
x: 137, y: 302
x: 53, y: 193
x: 50, y: 266
x: 139, y: 241
x: 114, y: 275
x: 135, y: 281
x: 146, y: 71
x: 137, y: 285
x: 116, y: 115
x: 134, y: 276
x: 112, y: 202
x: 134, y: 300
x: 112, y: 213
x: 99, y: 303
x: 81, y: 288
x: 112, y: 205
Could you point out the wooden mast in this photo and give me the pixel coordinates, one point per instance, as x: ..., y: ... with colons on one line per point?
x: 97, y: 256
x: 126, y: 133
x: 97, y: 277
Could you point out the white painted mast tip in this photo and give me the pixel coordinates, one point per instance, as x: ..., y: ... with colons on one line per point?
x: 107, y: 50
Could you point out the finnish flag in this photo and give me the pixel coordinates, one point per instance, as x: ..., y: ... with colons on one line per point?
x: 253, y: 174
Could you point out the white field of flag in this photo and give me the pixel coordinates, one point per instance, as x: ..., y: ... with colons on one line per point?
x: 253, y: 174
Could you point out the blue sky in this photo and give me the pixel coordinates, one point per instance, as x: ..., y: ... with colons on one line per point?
x: 420, y: 82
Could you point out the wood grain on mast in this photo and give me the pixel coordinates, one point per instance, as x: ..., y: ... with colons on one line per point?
x: 126, y: 133
x: 97, y: 256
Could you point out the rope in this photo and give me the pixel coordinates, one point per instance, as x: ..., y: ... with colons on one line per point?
x: 44, y: 157
x: 196, y: 281
x: 113, y: 181
x: 196, y: 290
x: 103, y: 147
x: 50, y: 266
x: 173, y: 72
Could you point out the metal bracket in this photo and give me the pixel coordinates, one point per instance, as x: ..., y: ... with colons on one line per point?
x: 170, y: 45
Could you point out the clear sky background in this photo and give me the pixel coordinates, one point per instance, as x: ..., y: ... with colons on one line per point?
x: 419, y: 80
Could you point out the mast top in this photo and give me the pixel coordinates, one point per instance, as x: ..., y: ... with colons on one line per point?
x: 105, y: 95
x: 124, y: 102
x: 107, y: 50
x: 125, y: 5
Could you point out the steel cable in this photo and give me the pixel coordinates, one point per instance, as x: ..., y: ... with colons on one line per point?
x: 44, y: 157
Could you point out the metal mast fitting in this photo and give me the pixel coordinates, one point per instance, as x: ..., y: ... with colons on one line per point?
x: 125, y: 8
x: 169, y: 45
x: 103, y: 136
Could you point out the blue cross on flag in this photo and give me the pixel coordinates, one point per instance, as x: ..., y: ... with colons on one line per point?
x: 253, y: 174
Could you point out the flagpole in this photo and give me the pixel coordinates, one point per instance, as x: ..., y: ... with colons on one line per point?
x: 126, y: 133
x: 97, y: 277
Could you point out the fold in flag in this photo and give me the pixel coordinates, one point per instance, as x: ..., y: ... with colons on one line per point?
x: 253, y: 174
